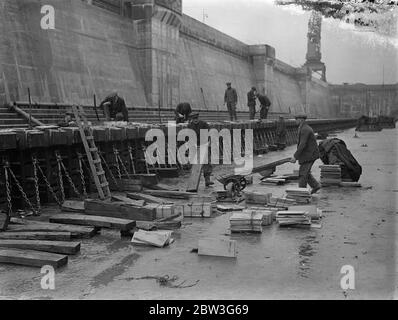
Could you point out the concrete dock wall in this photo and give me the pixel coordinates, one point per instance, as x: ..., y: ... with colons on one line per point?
x: 149, y: 52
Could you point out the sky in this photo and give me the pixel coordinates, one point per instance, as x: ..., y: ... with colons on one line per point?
x: 351, y: 55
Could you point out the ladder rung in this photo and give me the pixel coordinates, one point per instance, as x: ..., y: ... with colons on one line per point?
x: 93, y: 149
x: 97, y: 161
x: 105, y: 184
x: 100, y: 173
x: 90, y: 138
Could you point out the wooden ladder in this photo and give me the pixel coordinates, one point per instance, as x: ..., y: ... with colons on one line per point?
x: 93, y: 156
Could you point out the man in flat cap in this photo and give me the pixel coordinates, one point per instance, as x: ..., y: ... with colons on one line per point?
x: 183, y: 112
x: 68, y: 120
x: 251, y: 102
x: 231, y: 100
x: 115, y: 108
x: 196, y: 125
x: 307, y: 153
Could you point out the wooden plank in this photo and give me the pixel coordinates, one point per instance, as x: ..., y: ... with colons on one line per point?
x: 217, y: 247
x: 169, y: 194
x: 95, y: 221
x: 48, y: 246
x: 57, y: 236
x: 4, y: 220
x: 73, y: 206
x: 196, y: 171
x: 119, y: 210
x: 148, y: 198
x: 194, y: 210
x: 32, y: 258
x: 138, y: 203
x: 271, y: 165
x: 154, y: 238
x: 31, y: 226
x: 350, y: 184
x: 162, y: 186
x: 147, y: 180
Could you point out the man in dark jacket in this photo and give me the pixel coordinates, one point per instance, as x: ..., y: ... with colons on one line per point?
x: 281, y: 133
x: 306, y: 154
x: 196, y: 125
x: 251, y: 102
x: 182, y: 112
x: 265, y: 104
x: 115, y: 108
x: 231, y: 100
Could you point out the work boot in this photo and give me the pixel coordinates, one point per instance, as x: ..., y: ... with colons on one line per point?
x: 316, y: 189
x: 208, y: 182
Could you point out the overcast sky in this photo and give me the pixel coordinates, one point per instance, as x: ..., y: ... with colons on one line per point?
x: 350, y: 55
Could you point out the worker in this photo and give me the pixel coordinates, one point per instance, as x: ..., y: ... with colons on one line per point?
x: 196, y: 125
x: 182, y: 112
x: 306, y: 154
x: 281, y: 133
x: 68, y: 120
x: 115, y: 108
x: 231, y: 100
x: 251, y: 102
x: 265, y: 105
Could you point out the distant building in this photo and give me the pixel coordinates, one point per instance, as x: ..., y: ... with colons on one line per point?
x: 355, y: 100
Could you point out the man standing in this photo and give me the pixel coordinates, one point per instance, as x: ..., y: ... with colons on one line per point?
x: 196, y: 125
x: 182, y: 112
x: 115, y: 108
x: 281, y: 133
x: 251, y: 102
x: 265, y: 105
x: 306, y: 154
x: 231, y: 100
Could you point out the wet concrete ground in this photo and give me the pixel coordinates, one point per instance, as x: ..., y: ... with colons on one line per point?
x: 358, y: 229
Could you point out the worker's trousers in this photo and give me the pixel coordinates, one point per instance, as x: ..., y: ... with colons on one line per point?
x: 252, y: 112
x: 264, y: 112
x: 232, y: 111
x: 305, y: 176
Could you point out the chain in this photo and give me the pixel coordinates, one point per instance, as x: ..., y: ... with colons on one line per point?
x: 50, y: 188
x: 116, y: 153
x: 61, y: 182
x: 36, y: 178
x: 8, y: 190
x: 83, y: 181
x: 131, y: 158
x: 123, y: 166
x: 22, y: 192
x: 109, y: 170
x: 70, y: 181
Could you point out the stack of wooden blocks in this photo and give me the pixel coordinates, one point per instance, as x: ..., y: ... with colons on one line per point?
x: 246, y: 221
x: 293, y: 218
x: 330, y: 175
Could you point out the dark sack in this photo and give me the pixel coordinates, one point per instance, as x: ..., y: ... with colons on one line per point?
x: 335, y: 152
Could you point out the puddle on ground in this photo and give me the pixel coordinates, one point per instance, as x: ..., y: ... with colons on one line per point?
x: 108, y: 275
x: 306, y: 251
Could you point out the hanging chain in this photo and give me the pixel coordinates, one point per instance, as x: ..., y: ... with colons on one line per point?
x: 109, y: 170
x: 116, y: 153
x: 24, y: 196
x: 131, y: 158
x: 49, y: 187
x: 119, y: 158
x: 8, y: 190
x: 61, y: 182
x: 36, y: 178
x: 82, y: 178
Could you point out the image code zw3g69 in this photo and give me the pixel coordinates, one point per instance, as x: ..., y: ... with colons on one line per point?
x: 198, y: 150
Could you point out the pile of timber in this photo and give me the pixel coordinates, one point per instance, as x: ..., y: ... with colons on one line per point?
x: 281, y: 202
x: 217, y: 247
x: 312, y: 211
x: 293, y: 219
x: 246, y: 221
x: 300, y: 195
x: 330, y: 175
